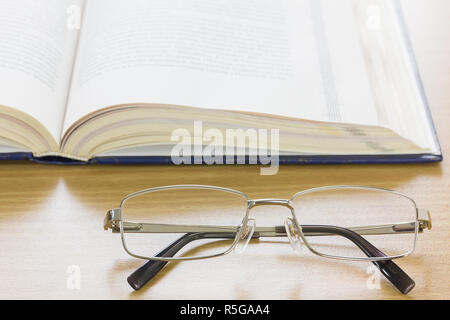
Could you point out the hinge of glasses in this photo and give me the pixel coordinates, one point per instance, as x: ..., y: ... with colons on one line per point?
x: 112, y: 220
x: 424, y: 220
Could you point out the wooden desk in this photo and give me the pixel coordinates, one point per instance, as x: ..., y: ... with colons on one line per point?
x: 51, y: 216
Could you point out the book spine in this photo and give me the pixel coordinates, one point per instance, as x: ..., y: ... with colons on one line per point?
x: 283, y: 160
x: 291, y: 160
x: 15, y: 156
x: 18, y: 156
x: 59, y: 160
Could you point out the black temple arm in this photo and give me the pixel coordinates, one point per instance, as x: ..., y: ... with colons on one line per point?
x: 387, y: 267
x: 147, y: 271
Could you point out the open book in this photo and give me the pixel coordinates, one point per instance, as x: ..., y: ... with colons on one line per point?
x: 113, y: 79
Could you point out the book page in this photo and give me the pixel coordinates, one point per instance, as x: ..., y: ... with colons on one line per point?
x: 8, y: 146
x: 287, y: 57
x: 36, y: 57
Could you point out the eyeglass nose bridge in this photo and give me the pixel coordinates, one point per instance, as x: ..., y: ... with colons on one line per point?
x: 270, y: 202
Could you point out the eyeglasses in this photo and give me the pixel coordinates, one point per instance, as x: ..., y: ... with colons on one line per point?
x: 197, y: 222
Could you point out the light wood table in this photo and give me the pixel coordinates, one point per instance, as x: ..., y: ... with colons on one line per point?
x: 51, y: 216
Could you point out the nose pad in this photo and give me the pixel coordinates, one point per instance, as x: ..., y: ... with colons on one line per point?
x: 246, y: 236
x: 293, y: 235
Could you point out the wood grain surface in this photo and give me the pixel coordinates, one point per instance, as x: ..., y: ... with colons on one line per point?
x: 51, y: 216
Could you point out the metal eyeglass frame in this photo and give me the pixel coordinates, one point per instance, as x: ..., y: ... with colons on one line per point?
x: 422, y: 221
